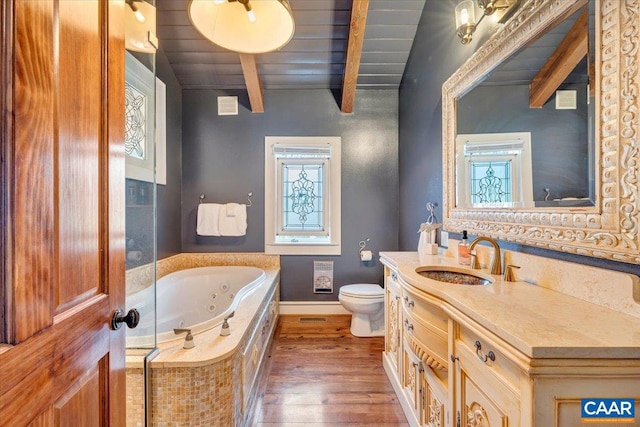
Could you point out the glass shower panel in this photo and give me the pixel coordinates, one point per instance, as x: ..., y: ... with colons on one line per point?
x: 140, y: 201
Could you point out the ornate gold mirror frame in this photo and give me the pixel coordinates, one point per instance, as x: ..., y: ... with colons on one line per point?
x: 610, y: 229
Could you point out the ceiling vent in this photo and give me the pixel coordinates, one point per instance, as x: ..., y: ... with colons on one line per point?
x: 227, y: 105
x: 566, y: 100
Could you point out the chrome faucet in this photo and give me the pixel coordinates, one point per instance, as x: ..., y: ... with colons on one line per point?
x: 225, y: 330
x: 188, y: 340
x: 496, y: 264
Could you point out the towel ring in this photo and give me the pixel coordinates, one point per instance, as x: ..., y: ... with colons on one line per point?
x: 202, y: 196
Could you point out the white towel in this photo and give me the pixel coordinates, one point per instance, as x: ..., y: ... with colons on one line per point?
x: 232, y: 209
x: 234, y: 225
x: 207, y: 224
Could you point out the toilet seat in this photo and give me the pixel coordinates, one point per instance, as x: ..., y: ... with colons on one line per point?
x: 362, y: 291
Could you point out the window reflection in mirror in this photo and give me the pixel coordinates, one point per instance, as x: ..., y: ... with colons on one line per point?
x: 562, y: 129
x: 494, y: 170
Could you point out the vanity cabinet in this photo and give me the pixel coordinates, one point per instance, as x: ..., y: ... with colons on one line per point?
x: 456, y: 360
x: 450, y: 372
x: 416, y: 352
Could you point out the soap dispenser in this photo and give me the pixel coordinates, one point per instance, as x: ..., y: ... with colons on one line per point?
x: 464, y: 256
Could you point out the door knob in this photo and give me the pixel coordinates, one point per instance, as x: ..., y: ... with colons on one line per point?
x: 131, y: 319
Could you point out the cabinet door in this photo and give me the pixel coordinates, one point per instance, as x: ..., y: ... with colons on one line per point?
x: 480, y: 400
x: 412, y: 382
x: 478, y: 410
x: 392, y: 320
x: 435, y: 394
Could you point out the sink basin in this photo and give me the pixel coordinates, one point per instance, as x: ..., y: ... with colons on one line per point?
x: 453, y: 276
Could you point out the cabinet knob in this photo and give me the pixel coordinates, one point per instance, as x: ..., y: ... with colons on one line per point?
x: 409, y: 303
x: 453, y: 358
x: 484, y: 356
x: 408, y: 325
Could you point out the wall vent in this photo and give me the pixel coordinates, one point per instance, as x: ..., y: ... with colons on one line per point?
x: 227, y: 105
x: 312, y: 320
x: 323, y: 277
x: 566, y: 100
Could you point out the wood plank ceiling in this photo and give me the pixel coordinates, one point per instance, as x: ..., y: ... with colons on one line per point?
x: 522, y: 67
x: 314, y: 59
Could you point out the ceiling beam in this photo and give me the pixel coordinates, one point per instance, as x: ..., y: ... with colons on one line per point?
x: 571, y: 50
x: 357, y: 26
x: 252, y: 80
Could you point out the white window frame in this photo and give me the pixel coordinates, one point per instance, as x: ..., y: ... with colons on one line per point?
x: 312, y: 243
x: 514, y: 145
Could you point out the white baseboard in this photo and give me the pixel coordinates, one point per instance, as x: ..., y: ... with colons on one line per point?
x: 312, y: 307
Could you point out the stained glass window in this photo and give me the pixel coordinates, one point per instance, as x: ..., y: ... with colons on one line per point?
x: 494, y: 169
x: 135, y: 107
x: 491, y: 181
x: 303, y: 197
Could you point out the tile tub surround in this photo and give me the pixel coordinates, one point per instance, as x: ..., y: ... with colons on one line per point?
x: 198, y: 396
x: 539, y: 322
x: 202, y: 386
x: 135, y: 401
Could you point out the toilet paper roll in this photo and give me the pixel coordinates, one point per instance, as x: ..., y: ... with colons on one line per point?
x: 134, y: 256
x: 366, y: 255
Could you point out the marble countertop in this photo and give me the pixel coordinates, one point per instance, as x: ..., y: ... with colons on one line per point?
x: 539, y: 322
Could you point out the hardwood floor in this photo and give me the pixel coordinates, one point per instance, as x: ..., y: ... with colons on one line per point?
x: 318, y: 374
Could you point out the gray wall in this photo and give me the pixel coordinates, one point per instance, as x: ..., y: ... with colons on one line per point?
x: 223, y: 158
x: 140, y: 196
x: 139, y: 211
x: 169, y: 236
x: 435, y: 55
x: 559, y: 151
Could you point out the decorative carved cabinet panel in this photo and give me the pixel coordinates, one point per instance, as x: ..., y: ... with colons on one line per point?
x: 392, y: 313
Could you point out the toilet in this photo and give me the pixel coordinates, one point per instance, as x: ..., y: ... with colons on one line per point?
x: 366, y: 303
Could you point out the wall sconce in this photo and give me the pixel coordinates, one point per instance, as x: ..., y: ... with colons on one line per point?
x: 140, y: 27
x: 245, y: 26
x: 466, y: 15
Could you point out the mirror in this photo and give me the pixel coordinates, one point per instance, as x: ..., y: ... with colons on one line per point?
x: 510, y: 153
x: 599, y: 218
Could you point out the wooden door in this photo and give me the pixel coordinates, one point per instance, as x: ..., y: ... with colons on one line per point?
x: 62, y: 213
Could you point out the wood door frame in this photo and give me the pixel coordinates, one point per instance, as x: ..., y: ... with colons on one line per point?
x: 114, y: 262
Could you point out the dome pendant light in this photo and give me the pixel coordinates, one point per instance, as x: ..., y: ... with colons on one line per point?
x: 245, y: 26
